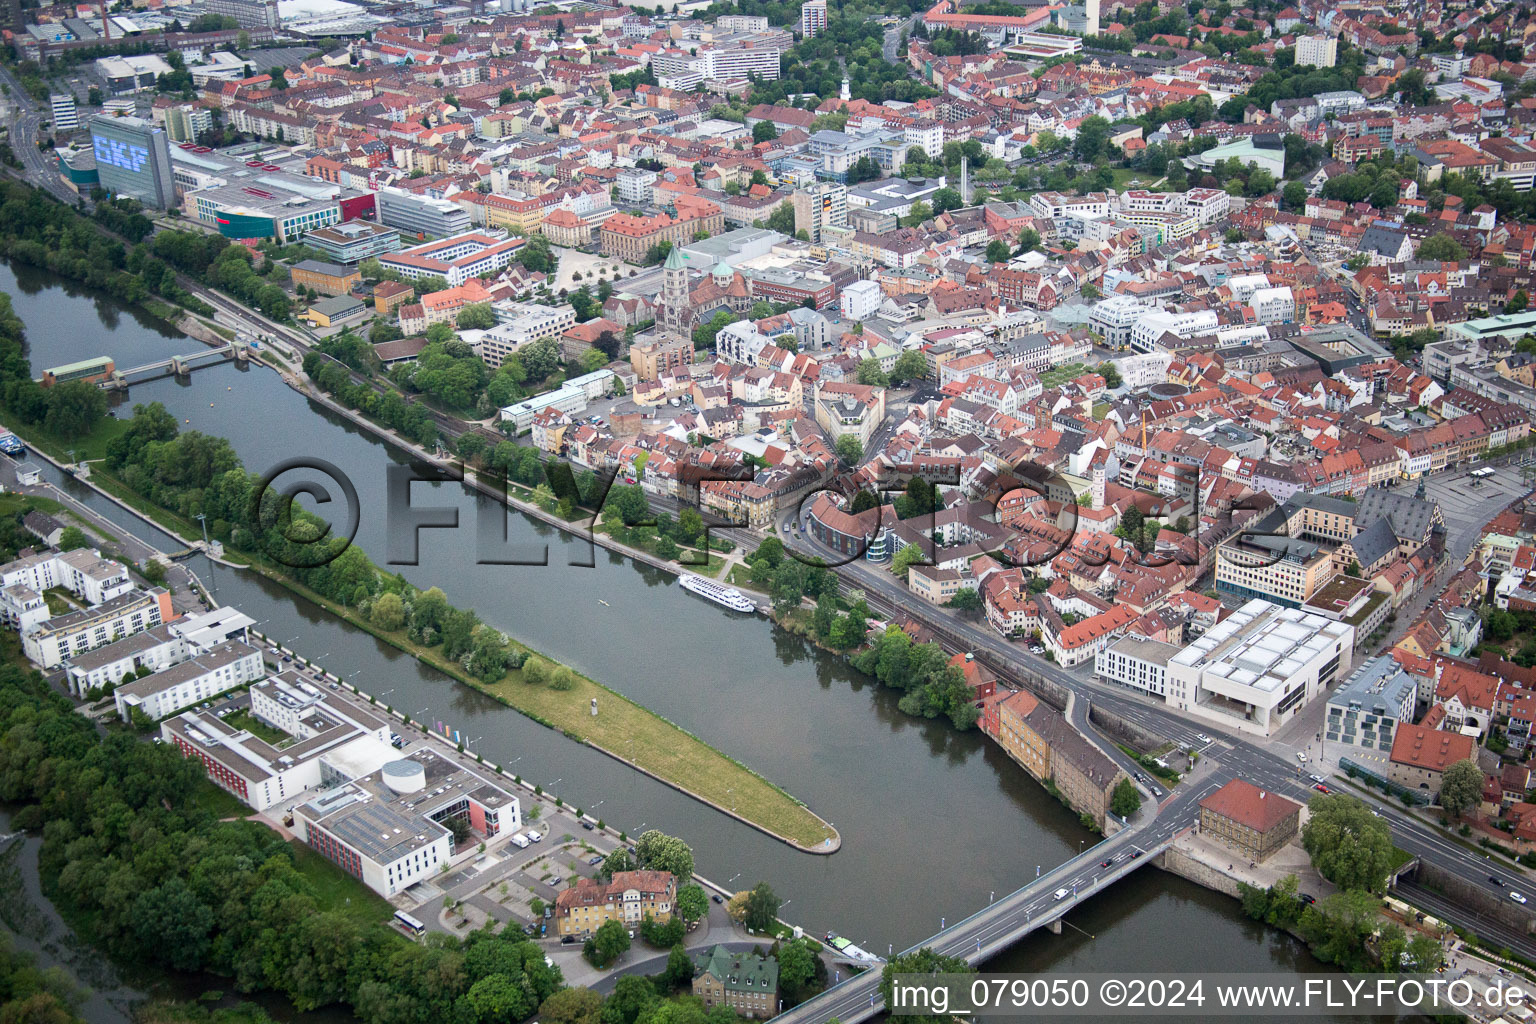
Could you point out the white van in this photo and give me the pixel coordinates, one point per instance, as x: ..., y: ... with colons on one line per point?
x: 520, y: 842
x: 533, y: 836
x: 1061, y: 894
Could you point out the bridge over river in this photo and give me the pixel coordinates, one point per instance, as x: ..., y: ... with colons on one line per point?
x: 992, y: 929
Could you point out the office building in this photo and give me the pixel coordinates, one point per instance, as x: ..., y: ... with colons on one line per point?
x: 1258, y: 667
x: 422, y: 216
x: 396, y: 826
x: 820, y: 206
x: 354, y: 241
x: 133, y: 159
x: 133, y: 73
x: 66, y: 118
x: 1365, y: 712
x: 249, y: 13
x: 187, y: 122
x: 1136, y: 663
x: 456, y: 259
x: 330, y: 740
x: 860, y: 300
x: 154, y: 649
x: 1285, y: 570
x: 634, y: 185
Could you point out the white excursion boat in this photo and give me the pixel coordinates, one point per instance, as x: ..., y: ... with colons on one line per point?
x: 717, y: 592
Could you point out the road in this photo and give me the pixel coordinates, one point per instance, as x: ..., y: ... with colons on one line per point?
x: 25, y: 131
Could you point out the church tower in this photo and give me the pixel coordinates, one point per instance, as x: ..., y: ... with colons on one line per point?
x: 1099, y: 480
x: 674, y: 296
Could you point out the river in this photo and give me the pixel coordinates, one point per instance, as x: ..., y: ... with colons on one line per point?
x: 933, y: 821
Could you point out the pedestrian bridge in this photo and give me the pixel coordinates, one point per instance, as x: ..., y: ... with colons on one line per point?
x: 178, y: 366
x: 997, y: 926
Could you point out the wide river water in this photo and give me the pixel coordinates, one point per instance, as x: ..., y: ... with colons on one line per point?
x: 933, y: 821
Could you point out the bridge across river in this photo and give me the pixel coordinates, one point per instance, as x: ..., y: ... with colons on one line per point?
x: 179, y: 366
x: 1005, y: 921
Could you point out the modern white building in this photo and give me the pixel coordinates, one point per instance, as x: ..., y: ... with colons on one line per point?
x: 83, y: 572
x: 1114, y: 317
x: 155, y: 649
x: 1257, y: 668
x: 530, y: 322
x: 395, y: 826
x: 1137, y: 664
x: 66, y: 116
x: 190, y: 682
x: 333, y: 741
x: 1152, y: 325
x: 1365, y: 712
x: 1274, y: 305
x: 570, y: 397
x: 860, y: 300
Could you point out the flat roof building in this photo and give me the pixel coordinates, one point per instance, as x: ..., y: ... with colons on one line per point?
x: 1259, y: 666
x: 1365, y: 712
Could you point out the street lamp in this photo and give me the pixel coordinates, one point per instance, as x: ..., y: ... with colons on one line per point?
x: 202, y: 518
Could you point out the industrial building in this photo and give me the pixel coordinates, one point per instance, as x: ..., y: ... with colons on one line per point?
x: 133, y: 159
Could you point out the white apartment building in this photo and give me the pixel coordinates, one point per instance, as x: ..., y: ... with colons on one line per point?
x: 1257, y: 668
x: 53, y: 640
x: 1055, y: 206
x: 1209, y: 205
x: 1136, y: 663
x: 180, y: 686
x: 1317, y: 51
x: 83, y: 572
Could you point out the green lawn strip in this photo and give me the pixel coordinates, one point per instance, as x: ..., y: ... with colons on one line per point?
x: 91, y: 446
x: 622, y: 728
x: 16, y: 504
x: 338, y: 891
x: 219, y: 802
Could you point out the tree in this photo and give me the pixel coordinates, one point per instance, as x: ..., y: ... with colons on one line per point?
x: 388, y: 612
x: 764, y: 131
x: 923, y: 961
x: 679, y: 970
x: 797, y: 970
x: 850, y: 449
x: 477, y: 316
x: 578, y: 1005
x: 1092, y: 136
x: 1348, y: 845
x: 998, y: 251
x: 1294, y: 195
x: 607, y: 944
x: 1126, y: 799
x: 909, y: 366
x: 1461, y: 787
x: 691, y: 904
x: 73, y: 537
x: 663, y: 934
x: 1518, y: 303
x: 661, y: 852
x: 762, y: 908
x: 632, y: 996
x: 74, y: 408
x: 870, y: 374
x: 1441, y: 247
x: 920, y: 212
x: 908, y: 556
x: 1029, y: 239
x: 619, y: 860
x: 782, y: 219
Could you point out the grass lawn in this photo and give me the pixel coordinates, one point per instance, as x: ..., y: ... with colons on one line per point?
x: 1100, y: 409
x: 17, y: 504
x: 741, y: 576
x: 243, y: 719
x: 91, y: 446
x: 336, y: 890
x: 662, y: 748
x: 220, y: 803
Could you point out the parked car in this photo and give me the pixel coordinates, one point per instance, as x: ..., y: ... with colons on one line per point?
x: 534, y: 836
x: 595, y: 859
x: 718, y: 898
x: 1306, y: 897
x: 1301, y: 755
x: 567, y: 940
x: 588, y: 826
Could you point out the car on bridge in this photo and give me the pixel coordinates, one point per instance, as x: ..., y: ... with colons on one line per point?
x: 1061, y: 894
